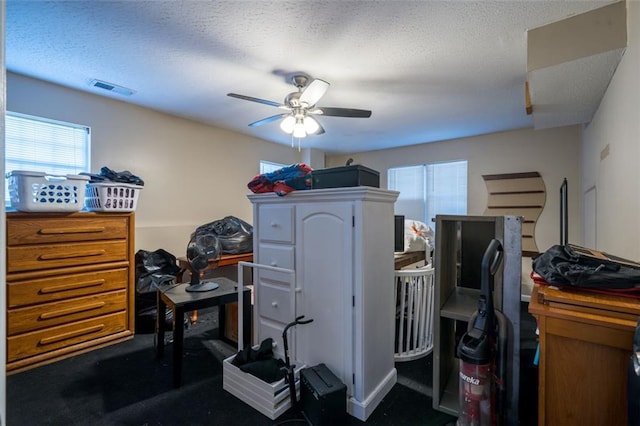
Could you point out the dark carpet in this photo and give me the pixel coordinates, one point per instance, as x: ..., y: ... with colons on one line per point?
x: 125, y: 384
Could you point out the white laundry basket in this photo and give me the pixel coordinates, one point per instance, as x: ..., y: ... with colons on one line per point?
x: 33, y: 191
x: 414, y: 313
x: 112, y: 197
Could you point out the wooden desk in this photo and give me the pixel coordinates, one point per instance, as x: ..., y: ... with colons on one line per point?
x: 585, y: 346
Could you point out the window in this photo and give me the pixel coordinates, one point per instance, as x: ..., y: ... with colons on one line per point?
x: 40, y: 144
x: 430, y: 189
x: 269, y: 166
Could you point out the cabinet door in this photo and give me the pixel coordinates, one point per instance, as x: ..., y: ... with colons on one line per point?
x: 324, y: 271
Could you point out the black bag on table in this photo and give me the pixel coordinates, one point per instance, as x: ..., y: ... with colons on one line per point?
x: 582, y: 267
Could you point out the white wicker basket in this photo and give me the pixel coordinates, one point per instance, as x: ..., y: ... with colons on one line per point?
x: 39, y: 192
x: 112, y: 197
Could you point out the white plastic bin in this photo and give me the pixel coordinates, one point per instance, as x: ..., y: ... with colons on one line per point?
x: 112, y: 197
x: 31, y: 191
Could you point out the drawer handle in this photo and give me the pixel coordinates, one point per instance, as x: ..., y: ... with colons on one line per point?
x: 274, y: 263
x: 274, y: 224
x: 59, y: 231
x: 56, y: 256
x: 274, y: 304
x: 73, y: 286
x: 70, y: 311
x: 71, y: 334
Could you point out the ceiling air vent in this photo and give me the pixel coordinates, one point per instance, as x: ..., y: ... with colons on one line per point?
x: 111, y: 87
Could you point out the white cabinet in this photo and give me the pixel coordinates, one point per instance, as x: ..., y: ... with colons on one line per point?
x: 339, y: 242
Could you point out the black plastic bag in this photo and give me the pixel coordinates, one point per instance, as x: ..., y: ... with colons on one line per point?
x: 154, y: 268
x: 235, y: 235
x: 580, y: 267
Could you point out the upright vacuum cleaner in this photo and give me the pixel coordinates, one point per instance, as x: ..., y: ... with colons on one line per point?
x: 482, y: 353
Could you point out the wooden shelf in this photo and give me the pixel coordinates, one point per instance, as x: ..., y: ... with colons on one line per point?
x: 461, y: 304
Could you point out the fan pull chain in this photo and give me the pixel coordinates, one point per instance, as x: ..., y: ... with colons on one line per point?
x: 292, y: 144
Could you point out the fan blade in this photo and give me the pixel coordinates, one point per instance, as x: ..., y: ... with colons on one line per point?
x: 258, y: 100
x: 268, y: 119
x: 341, y: 112
x: 314, y: 91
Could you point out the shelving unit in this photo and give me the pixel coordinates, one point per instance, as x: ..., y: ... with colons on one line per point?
x: 460, y: 245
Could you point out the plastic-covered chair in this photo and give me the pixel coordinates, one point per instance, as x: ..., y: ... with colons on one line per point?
x: 414, y: 313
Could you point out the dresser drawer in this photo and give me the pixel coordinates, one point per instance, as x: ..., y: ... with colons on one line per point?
x: 29, y: 258
x: 21, y: 320
x: 50, y: 339
x: 31, y: 292
x: 274, y: 302
x: 21, y: 231
x: 276, y: 223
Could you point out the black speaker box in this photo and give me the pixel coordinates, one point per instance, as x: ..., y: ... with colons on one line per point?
x: 339, y: 177
x: 323, y: 397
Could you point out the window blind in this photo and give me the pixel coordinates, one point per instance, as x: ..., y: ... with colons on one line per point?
x: 43, y: 145
x: 430, y: 189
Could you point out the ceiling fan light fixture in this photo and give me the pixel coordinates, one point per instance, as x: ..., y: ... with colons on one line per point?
x: 311, y: 126
x: 288, y: 124
x: 299, y: 129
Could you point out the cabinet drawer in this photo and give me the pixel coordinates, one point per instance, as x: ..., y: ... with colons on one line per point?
x: 43, y: 290
x: 276, y: 223
x: 275, y: 303
x: 276, y: 255
x: 21, y: 231
x: 50, y: 339
x: 266, y: 328
x: 21, y: 320
x: 28, y: 258
x: 280, y: 256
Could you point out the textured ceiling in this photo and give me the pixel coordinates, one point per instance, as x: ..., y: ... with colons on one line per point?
x: 428, y: 70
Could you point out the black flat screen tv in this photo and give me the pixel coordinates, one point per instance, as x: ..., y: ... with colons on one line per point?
x: 398, y: 236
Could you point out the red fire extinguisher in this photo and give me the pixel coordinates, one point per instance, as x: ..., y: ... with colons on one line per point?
x: 478, y: 351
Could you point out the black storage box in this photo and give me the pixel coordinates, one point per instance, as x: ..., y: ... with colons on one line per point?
x: 338, y: 177
x: 323, y: 397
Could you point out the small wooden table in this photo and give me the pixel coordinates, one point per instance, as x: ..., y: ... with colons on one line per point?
x: 181, y: 301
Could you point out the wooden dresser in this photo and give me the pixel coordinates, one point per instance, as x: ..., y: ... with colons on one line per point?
x: 585, y: 346
x: 70, y: 285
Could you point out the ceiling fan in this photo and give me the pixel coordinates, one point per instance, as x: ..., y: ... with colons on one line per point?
x: 299, y: 120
